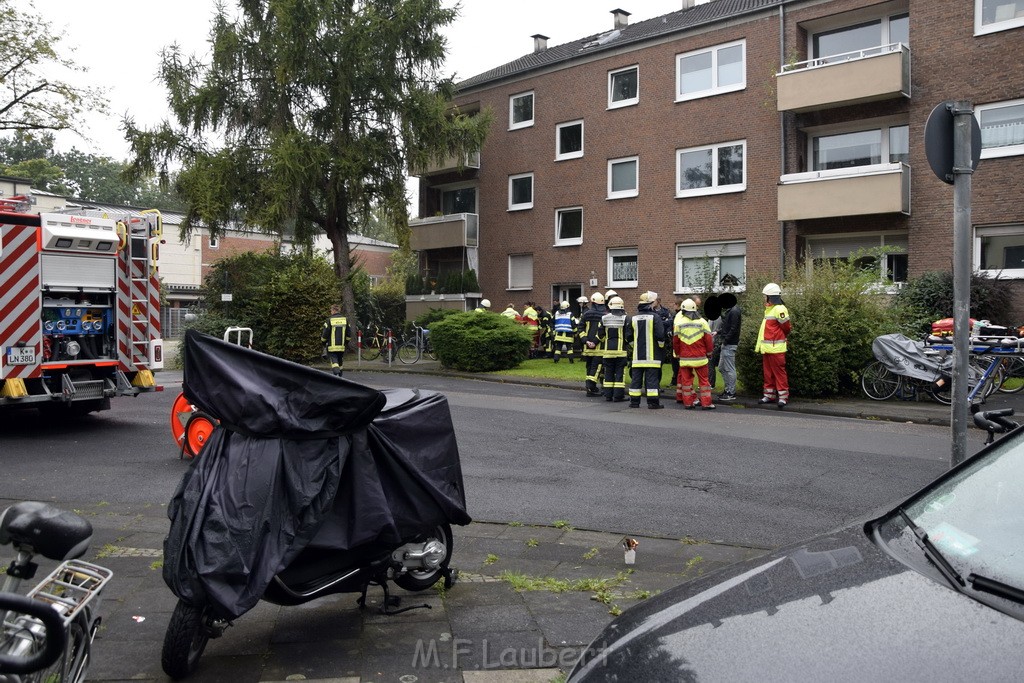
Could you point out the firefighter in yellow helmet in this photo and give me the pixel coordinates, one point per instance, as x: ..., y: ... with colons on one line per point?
x: 613, y: 349
x: 335, y: 336
x: 590, y: 329
x: 645, y: 333
x: 693, y: 345
x: 565, y: 332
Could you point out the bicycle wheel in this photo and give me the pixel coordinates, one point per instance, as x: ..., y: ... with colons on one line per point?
x: 185, y: 639
x: 371, y: 348
x: 409, y: 352
x: 1013, y: 375
x: 73, y: 665
x: 878, y: 382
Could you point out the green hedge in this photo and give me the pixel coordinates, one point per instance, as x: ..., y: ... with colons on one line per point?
x: 480, y: 342
x: 929, y: 297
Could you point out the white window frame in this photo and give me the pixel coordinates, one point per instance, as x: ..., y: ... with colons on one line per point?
x: 715, y: 89
x: 996, y: 152
x: 882, y: 123
x: 621, y: 194
x: 513, y: 125
x: 715, y: 187
x: 524, y: 260
x: 214, y: 241
x: 569, y: 241
x: 996, y: 231
x: 879, y: 239
x: 623, y: 251
x: 714, y: 251
x: 522, y: 206
x: 632, y: 100
x: 559, y: 155
x: 995, y: 26
x: 831, y: 24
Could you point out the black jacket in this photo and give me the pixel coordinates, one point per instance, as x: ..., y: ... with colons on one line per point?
x: 729, y: 333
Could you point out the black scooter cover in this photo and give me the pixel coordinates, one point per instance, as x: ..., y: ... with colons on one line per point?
x: 300, y: 458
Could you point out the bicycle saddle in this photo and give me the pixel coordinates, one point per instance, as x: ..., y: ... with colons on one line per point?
x: 53, y: 533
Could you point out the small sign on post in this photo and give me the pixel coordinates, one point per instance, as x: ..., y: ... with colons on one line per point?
x: 225, y: 297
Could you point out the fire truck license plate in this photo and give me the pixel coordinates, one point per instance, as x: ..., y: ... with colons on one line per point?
x: 21, y: 355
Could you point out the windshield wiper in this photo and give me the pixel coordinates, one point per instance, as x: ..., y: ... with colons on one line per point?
x: 932, y: 553
x: 998, y: 588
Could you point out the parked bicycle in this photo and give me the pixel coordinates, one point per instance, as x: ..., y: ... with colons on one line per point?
x: 376, y: 341
x: 46, y: 635
x: 416, y: 347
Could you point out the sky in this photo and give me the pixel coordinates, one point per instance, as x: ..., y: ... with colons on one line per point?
x: 119, y: 42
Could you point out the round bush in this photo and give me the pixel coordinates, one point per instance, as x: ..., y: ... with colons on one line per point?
x: 480, y: 342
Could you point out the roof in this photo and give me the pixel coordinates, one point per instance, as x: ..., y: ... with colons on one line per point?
x: 676, y: 22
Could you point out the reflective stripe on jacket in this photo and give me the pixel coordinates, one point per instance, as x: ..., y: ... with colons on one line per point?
x: 692, y: 341
x: 335, y: 333
x: 646, y: 333
x: 775, y: 327
x: 613, y: 335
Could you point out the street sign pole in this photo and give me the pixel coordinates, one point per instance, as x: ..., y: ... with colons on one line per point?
x: 963, y: 117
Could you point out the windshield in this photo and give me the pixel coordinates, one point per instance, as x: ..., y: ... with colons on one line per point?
x: 976, y: 517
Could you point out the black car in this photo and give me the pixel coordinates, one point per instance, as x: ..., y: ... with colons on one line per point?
x: 932, y: 590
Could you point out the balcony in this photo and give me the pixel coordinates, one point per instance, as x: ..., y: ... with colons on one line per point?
x: 451, y: 164
x: 880, y: 73
x: 858, y: 191
x: 443, y: 232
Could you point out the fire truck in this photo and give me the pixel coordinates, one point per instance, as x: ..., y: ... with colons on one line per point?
x: 79, y: 307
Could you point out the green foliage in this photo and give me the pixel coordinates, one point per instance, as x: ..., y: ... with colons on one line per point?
x: 479, y: 342
x: 284, y: 299
x: 435, y: 314
x: 929, y: 297
x: 837, y: 311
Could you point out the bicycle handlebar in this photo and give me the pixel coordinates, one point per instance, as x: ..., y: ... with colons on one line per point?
x: 994, y: 421
x: 55, y: 635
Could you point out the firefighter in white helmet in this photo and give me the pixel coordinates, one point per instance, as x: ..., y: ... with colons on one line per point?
x: 485, y: 305
x: 646, y: 335
x: 771, y: 344
x: 693, y: 345
x: 565, y: 332
x: 613, y: 349
x: 590, y: 330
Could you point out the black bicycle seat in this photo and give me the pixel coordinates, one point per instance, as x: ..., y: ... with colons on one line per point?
x: 53, y: 533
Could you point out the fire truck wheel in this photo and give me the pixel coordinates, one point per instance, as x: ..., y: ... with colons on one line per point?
x: 197, y: 432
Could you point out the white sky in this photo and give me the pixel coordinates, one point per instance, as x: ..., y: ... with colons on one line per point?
x: 119, y: 42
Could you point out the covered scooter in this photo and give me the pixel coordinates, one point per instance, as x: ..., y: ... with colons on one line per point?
x: 310, y: 485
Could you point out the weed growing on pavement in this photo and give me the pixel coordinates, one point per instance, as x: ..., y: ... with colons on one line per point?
x: 640, y: 594
x: 689, y: 540
x: 590, y: 554
x: 106, y: 551
x: 157, y: 564
x: 532, y: 543
x: 490, y: 559
x: 515, y: 524
x: 562, y: 524
x: 693, y: 562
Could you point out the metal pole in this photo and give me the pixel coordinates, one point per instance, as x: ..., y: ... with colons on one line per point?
x: 962, y: 111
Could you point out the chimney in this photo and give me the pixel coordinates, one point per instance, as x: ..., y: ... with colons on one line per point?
x: 621, y: 18
x: 687, y: 4
x: 540, y: 43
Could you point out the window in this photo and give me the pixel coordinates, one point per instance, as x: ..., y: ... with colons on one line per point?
x: 893, y: 265
x: 861, y: 39
x: 520, y: 111
x: 999, y: 251
x: 520, y: 271
x: 569, y: 226
x: 623, y: 87
x: 214, y: 241
x: 623, y: 177
x: 1002, y: 128
x: 713, y: 71
x: 716, y: 169
x: 622, y: 268
x: 997, y: 15
x: 712, y: 266
x: 569, y: 140
x: 458, y: 200
x: 520, y: 192
x: 885, y: 144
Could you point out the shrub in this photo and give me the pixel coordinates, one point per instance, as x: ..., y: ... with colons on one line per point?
x: 479, y: 342
x: 929, y: 297
x: 836, y: 315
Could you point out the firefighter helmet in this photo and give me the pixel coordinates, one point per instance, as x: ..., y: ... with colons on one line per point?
x: 648, y: 297
x: 689, y: 305
x: 485, y: 303
x: 597, y: 298
x: 615, y: 303
x: 771, y: 289
x: 564, y: 305
x: 609, y: 294
x: 582, y: 300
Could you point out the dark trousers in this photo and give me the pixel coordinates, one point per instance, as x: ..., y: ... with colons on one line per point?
x: 614, y: 382
x: 593, y: 368
x: 337, y: 359
x: 644, y: 382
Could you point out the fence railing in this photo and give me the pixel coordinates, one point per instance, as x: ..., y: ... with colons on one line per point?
x: 174, y: 320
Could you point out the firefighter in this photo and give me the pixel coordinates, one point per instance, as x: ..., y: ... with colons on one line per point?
x: 565, y: 332
x: 590, y: 328
x: 771, y: 344
x: 646, y: 335
x: 613, y: 350
x: 335, y: 338
x: 511, y: 313
x: 547, y: 330
x: 531, y: 319
x: 484, y: 307
x: 693, y: 345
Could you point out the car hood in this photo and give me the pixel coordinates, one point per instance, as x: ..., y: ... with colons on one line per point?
x: 837, y: 607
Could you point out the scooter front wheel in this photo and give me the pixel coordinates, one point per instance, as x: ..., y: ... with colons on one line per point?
x: 422, y: 579
x: 185, y: 640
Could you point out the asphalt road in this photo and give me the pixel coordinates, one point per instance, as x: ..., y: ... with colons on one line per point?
x: 539, y: 455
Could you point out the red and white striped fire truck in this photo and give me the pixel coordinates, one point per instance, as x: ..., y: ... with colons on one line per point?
x: 79, y: 307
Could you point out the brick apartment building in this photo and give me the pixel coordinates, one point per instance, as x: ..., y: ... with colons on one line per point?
x: 728, y: 139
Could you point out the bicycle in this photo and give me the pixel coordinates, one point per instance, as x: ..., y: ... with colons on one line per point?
x: 1013, y: 375
x: 880, y: 384
x: 416, y: 347
x: 46, y: 635
x: 373, y: 345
